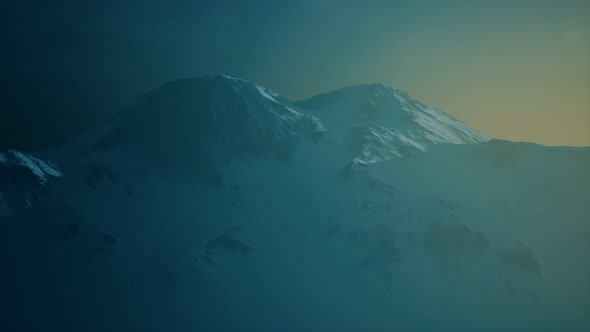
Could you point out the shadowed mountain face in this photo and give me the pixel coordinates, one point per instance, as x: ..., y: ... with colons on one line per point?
x: 198, y: 117
x: 212, y: 204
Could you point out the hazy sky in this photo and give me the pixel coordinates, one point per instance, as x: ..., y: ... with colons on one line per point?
x: 516, y: 70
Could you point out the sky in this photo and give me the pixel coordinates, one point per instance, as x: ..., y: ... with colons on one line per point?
x: 515, y: 70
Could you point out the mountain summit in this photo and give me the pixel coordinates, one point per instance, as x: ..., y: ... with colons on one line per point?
x: 384, y: 122
x: 193, y: 118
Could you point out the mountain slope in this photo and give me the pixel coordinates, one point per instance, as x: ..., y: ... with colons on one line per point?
x: 387, y: 123
x: 189, y: 120
x: 213, y: 204
x: 23, y: 180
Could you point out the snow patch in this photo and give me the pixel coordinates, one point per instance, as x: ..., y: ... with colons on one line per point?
x: 42, y: 170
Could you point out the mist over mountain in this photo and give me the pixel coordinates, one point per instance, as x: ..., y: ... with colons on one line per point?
x: 213, y: 204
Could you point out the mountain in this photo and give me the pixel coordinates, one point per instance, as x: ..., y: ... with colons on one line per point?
x: 213, y: 204
x: 381, y: 123
x: 24, y: 181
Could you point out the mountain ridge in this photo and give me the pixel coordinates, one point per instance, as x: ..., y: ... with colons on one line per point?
x: 228, y: 112
x: 215, y: 205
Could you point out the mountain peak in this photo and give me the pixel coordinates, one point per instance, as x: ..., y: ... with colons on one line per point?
x: 211, y: 83
x: 193, y: 117
x: 384, y: 122
x: 204, y: 115
x: 349, y: 92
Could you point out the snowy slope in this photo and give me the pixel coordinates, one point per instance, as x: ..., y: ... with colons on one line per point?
x: 23, y: 181
x: 212, y: 204
x: 380, y: 122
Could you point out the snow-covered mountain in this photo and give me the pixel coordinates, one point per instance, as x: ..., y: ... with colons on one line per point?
x: 213, y: 204
x: 233, y: 115
x: 381, y: 123
x: 23, y: 181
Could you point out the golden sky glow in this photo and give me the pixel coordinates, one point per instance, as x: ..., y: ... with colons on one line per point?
x: 516, y: 70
